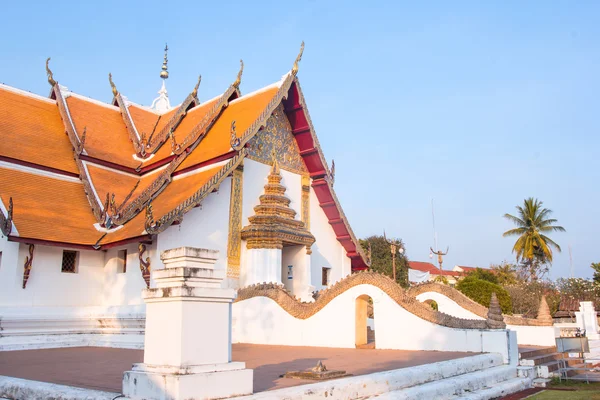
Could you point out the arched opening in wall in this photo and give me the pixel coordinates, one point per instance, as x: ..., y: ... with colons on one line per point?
x: 432, y: 303
x: 364, y: 323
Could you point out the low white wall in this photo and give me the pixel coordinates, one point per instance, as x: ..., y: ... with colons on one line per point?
x: 526, y: 335
x: 448, y: 306
x: 260, y: 320
x: 534, y: 335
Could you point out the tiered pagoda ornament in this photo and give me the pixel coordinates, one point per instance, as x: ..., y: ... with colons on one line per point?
x: 274, y: 224
x: 162, y: 103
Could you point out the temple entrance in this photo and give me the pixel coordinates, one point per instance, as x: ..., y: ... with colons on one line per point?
x: 364, y: 323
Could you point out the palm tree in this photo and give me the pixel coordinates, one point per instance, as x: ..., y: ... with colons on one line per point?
x: 533, y: 246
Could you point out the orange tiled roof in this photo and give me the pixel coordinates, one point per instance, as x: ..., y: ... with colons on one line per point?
x: 106, y: 134
x: 54, y: 208
x: 31, y: 130
x: 217, y: 142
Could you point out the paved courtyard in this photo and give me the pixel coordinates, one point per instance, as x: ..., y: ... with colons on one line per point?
x: 102, y: 368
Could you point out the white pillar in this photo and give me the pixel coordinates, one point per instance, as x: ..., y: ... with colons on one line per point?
x: 303, y: 287
x: 187, y: 350
x: 586, y: 319
x: 263, y: 265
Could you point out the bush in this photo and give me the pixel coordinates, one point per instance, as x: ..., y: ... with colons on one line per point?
x: 483, y: 275
x: 481, y: 291
x: 526, y: 297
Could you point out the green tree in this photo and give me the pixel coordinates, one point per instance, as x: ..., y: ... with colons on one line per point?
x: 481, y: 291
x: 483, y: 274
x: 533, y: 247
x: 596, y: 268
x: 381, y: 259
x: 506, y: 273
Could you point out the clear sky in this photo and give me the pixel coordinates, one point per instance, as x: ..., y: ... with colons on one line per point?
x: 474, y: 104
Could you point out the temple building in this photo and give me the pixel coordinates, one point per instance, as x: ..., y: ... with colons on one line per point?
x: 91, y: 193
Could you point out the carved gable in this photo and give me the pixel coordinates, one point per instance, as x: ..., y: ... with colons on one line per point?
x: 277, y: 137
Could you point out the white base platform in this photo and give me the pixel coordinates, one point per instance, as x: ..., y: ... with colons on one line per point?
x: 198, y: 382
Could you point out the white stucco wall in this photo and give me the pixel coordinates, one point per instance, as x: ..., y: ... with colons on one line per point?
x: 526, y: 335
x: 47, y: 285
x: 261, y: 320
x: 205, y: 227
x: 123, y: 288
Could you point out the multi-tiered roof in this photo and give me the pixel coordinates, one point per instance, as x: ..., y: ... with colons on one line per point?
x: 79, y: 173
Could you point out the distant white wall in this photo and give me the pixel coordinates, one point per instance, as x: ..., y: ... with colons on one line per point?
x: 8, y: 271
x: 447, y: 305
x: 526, y: 335
x: 260, y: 320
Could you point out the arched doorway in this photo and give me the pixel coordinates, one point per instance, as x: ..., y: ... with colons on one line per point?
x: 364, y: 322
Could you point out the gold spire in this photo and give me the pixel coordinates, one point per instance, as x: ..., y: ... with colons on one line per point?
x: 112, y: 85
x: 238, y: 80
x: 195, y: 91
x: 164, y: 73
x: 51, y: 80
x: 295, y: 67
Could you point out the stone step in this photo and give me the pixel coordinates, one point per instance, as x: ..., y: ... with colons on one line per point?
x: 537, y: 352
x: 500, y: 389
x: 460, y: 385
x: 474, y: 372
x: 541, y: 359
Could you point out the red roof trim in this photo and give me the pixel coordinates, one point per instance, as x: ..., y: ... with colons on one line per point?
x: 314, y: 161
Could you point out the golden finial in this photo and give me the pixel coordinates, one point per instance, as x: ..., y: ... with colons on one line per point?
x: 238, y: 80
x: 51, y: 80
x: 112, y: 85
x: 295, y: 67
x: 164, y: 73
x: 195, y: 91
x: 275, y: 167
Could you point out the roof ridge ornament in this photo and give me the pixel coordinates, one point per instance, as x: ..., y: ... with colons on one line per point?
x: 164, y: 74
x: 238, y: 80
x: 51, y: 80
x: 298, y: 58
x: 112, y: 85
x: 195, y: 91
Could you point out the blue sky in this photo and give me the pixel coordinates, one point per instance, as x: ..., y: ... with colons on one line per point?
x: 474, y: 104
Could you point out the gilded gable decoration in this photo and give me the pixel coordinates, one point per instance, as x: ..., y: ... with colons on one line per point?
x: 298, y: 58
x: 234, y: 243
x: 234, y: 140
x: 274, y: 225
x: 277, y: 137
x: 27, y: 266
x: 306, y: 200
x: 6, y: 222
x: 115, y: 92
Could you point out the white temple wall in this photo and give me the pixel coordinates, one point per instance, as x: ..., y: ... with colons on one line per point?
x: 9, y: 255
x: 47, y: 285
x: 123, y: 288
x: 260, y: 320
x: 327, y: 252
x: 204, y: 227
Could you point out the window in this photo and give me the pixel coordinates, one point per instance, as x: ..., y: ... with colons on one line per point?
x: 69, y: 261
x: 121, y: 261
x: 325, y: 276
